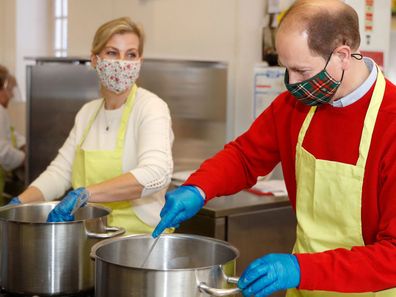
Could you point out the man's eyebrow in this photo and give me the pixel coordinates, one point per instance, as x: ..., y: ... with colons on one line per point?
x: 298, y: 68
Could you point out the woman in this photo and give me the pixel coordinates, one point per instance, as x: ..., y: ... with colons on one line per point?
x: 119, y: 150
x: 12, y: 144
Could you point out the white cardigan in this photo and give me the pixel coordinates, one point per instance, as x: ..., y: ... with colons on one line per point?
x: 147, y: 150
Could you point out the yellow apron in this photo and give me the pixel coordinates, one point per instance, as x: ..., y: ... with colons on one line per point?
x: 329, y: 194
x: 3, y: 173
x: 95, y: 166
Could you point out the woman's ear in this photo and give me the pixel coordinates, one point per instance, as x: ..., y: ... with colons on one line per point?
x: 94, y: 60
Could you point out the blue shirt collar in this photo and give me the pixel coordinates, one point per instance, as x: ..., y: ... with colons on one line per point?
x: 360, y: 91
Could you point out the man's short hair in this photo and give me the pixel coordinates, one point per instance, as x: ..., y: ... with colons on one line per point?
x: 328, y: 23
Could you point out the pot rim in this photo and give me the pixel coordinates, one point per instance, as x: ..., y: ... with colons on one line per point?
x: 7, y: 207
x: 105, y: 242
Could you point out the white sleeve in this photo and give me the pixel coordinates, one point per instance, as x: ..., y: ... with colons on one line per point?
x: 56, y: 179
x: 20, y: 139
x: 10, y: 157
x: 154, y: 139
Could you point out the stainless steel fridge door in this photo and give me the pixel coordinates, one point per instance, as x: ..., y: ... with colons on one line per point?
x: 55, y: 93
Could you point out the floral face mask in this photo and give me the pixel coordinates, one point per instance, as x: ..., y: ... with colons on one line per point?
x: 117, y: 75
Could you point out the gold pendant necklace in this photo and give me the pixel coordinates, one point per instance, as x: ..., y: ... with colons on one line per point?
x: 107, y: 122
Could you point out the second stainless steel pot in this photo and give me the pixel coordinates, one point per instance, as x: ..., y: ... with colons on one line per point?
x: 49, y: 258
x: 179, y: 265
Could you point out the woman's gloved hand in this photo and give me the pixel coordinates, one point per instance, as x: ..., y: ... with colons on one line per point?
x: 14, y: 201
x: 73, y: 200
x: 180, y: 205
x: 269, y: 274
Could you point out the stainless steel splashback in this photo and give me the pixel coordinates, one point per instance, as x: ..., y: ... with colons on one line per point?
x: 55, y: 92
x: 196, y: 93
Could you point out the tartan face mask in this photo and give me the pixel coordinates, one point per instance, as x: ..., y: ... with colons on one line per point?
x: 316, y: 90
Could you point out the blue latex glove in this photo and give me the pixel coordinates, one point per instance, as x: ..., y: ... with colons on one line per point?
x: 14, y: 201
x: 269, y: 274
x: 62, y: 211
x: 180, y: 205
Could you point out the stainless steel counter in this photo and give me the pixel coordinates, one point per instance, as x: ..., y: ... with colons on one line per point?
x: 242, y: 202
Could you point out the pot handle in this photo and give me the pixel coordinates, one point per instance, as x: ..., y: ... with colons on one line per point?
x: 111, y: 231
x: 221, y: 292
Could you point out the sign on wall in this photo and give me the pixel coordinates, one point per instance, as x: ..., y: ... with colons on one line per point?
x: 374, y: 25
x: 268, y: 83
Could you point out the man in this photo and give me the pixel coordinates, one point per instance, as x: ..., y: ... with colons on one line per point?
x: 337, y: 149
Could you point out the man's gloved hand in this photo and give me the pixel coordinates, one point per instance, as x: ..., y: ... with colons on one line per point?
x: 269, y: 274
x: 180, y: 205
x: 14, y: 201
x: 73, y: 200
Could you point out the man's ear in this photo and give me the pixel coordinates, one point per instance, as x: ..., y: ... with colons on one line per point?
x: 344, y: 52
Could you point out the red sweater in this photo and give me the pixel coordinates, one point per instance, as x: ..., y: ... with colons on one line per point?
x: 334, y: 134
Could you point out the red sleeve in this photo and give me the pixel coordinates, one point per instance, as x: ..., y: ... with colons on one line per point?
x: 255, y: 153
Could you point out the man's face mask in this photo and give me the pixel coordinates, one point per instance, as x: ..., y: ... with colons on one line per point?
x: 316, y: 90
x: 117, y: 75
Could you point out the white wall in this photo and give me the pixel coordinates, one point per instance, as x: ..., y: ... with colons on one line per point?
x: 221, y: 30
x: 7, y: 33
x: 33, y: 34
x: 25, y: 31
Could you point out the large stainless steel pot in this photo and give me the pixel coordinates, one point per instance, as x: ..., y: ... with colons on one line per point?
x: 50, y: 258
x: 179, y: 265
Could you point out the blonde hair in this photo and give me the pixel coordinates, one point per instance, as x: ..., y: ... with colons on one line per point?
x: 116, y: 26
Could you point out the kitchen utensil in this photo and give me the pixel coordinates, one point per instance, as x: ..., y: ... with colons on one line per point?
x: 150, y: 250
x: 180, y: 265
x: 79, y: 203
x: 40, y: 258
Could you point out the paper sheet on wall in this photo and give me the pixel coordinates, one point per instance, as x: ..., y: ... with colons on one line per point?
x: 268, y: 83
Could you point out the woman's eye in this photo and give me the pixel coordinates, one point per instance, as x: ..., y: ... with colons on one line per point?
x: 132, y: 56
x: 111, y: 53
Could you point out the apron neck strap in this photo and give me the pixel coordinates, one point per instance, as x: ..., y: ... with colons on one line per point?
x: 13, y: 137
x: 370, y: 119
x: 305, y: 125
x: 125, y: 117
